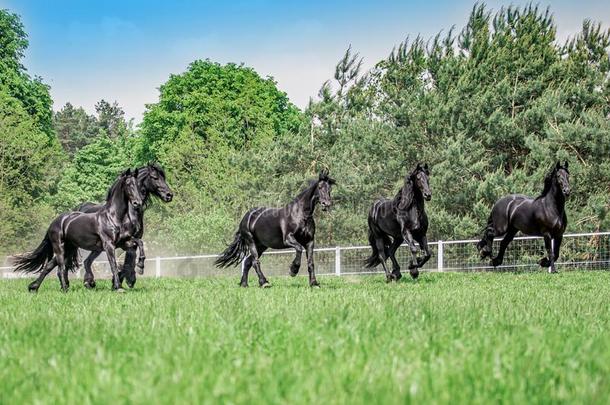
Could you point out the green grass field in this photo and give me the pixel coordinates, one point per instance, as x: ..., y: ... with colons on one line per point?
x: 447, y: 338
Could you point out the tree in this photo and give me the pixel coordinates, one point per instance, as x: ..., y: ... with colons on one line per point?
x: 111, y: 118
x: 29, y: 152
x: 75, y: 128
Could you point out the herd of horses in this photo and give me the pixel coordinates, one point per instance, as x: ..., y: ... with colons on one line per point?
x: 119, y: 223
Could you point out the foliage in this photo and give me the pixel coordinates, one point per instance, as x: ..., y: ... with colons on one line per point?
x: 490, y: 107
x: 75, y: 128
x: 29, y: 151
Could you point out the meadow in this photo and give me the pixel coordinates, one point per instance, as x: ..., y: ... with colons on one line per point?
x: 446, y: 338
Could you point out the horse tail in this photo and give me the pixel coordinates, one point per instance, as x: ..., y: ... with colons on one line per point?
x: 375, y: 233
x: 373, y: 260
x: 484, y: 245
x: 234, y: 253
x: 34, y: 262
x: 71, y: 257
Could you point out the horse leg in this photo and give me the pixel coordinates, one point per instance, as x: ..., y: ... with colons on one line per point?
x: 556, y: 246
x: 62, y: 273
x: 245, y: 268
x: 423, y: 245
x: 548, y: 243
x: 408, y: 237
x: 110, y: 254
x: 310, y: 265
x: 35, y: 285
x: 381, y: 249
x: 141, y: 257
x: 392, y: 254
x: 508, y: 237
x: 128, y: 272
x: 296, y: 264
x: 89, y: 279
x: 255, y: 254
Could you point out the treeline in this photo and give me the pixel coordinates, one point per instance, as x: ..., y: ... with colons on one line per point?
x: 490, y: 107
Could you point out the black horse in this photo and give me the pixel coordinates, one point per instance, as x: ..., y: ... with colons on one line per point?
x: 291, y: 226
x: 94, y: 231
x: 544, y: 216
x: 151, y: 181
x: 392, y: 222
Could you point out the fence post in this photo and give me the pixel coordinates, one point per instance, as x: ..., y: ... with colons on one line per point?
x: 439, y: 256
x: 157, y: 267
x: 337, y: 261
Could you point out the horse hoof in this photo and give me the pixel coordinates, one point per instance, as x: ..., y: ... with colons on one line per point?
x: 32, y: 289
x: 266, y: 284
x: 397, y: 276
x: 131, y: 285
x: 552, y: 271
x: 243, y: 285
x: 495, y: 262
x: 414, y: 275
x: 89, y: 284
x: 120, y: 290
x: 294, y: 270
x: 314, y: 284
x: 544, y: 262
x: 140, y: 270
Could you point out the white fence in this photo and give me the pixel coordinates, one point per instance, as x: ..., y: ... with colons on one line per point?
x: 578, y: 251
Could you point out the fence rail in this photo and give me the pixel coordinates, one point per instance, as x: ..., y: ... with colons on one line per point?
x: 578, y: 251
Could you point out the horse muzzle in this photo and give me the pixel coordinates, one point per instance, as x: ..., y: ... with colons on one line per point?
x: 427, y: 197
x: 168, y: 197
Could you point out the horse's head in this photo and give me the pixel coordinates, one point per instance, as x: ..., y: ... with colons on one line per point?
x: 130, y: 185
x: 562, y: 177
x: 420, y: 179
x: 155, y: 183
x: 324, y: 185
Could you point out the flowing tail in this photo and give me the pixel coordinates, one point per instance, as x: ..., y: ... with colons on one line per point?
x: 35, y: 261
x: 234, y: 253
x: 374, y: 233
x: 485, y: 244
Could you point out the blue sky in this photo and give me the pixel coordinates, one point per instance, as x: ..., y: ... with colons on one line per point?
x: 123, y: 50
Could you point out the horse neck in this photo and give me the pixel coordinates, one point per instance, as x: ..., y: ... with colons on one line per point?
x: 555, y: 195
x: 306, y: 200
x: 117, y: 204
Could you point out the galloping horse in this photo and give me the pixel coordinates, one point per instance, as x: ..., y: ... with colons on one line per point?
x: 151, y: 181
x: 544, y: 216
x: 291, y: 226
x: 93, y: 231
x: 402, y: 219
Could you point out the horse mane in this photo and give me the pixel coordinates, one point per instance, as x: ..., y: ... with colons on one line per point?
x: 143, y: 172
x: 113, y: 188
x: 310, y: 183
x: 548, y: 183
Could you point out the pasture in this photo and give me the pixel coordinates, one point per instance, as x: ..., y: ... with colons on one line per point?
x: 466, y: 338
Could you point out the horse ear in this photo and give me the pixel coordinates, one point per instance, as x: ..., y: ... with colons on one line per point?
x: 566, y: 164
x: 127, y: 172
x: 135, y: 172
x: 558, y: 165
x: 426, y: 166
x: 332, y: 181
x: 323, y: 174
